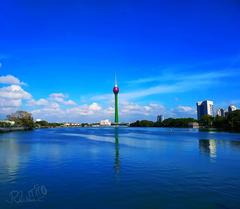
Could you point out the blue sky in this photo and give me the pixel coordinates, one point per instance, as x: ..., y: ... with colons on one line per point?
x: 58, y: 58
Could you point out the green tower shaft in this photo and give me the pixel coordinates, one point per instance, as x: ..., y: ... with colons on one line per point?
x: 116, y: 109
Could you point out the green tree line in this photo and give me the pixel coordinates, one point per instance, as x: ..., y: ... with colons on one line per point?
x: 45, y: 124
x: 22, y: 119
x: 25, y: 119
x: 229, y: 123
x: 170, y: 122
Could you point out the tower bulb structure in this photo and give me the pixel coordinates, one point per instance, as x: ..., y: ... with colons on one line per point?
x: 116, y: 91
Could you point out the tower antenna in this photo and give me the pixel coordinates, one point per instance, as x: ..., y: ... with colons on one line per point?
x: 116, y: 80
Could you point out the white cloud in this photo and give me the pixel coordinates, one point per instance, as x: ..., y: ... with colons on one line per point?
x: 85, y: 110
x: 40, y: 102
x: 53, y: 100
x: 184, y: 111
x: 95, y: 107
x: 184, y: 108
x: 7, y: 110
x: 61, y: 98
x: 147, y: 110
x: 130, y: 111
x: 57, y: 96
x: 6, y: 102
x: 10, y: 79
x: 14, y: 92
x: 109, y: 110
x: 11, y: 98
x: 73, y: 113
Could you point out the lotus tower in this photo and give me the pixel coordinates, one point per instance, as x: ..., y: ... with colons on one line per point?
x: 116, y: 91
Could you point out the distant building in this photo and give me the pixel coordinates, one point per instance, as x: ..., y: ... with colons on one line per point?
x: 220, y: 112
x: 72, y: 124
x: 105, y: 123
x: 193, y: 125
x: 232, y: 108
x: 204, y: 108
x: 160, y: 118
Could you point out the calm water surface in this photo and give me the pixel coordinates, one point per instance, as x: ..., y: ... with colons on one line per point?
x: 120, y: 168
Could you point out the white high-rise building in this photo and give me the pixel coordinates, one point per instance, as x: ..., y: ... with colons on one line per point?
x: 204, y: 108
x: 232, y: 108
x: 220, y: 112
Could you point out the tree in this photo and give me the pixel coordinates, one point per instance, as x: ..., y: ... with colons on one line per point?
x: 178, y: 122
x: 22, y: 119
x: 5, y: 124
x: 220, y: 122
x: 42, y: 123
x: 170, y: 122
x: 142, y: 123
x: 234, y: 120
x: 207, y: 120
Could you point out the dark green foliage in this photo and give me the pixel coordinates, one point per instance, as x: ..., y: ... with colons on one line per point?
x: 45, y: 124
x: 230, y: 123
x: 170, y: 122
x: 42, y: 123
x: 55, y: 125
x: 142, y: 123
x: 207, y: 121
x: 233, y: 120
x: 178, y: 122
x: 220, y: 122
x: 22, y: 119
x: 85, y: 125
x: 5, y: 125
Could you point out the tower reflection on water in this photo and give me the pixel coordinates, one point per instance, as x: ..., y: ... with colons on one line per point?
x: 117, y: 160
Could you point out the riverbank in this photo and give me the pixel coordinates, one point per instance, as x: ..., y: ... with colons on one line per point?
x: 201, y: 129
x: 10, y: 129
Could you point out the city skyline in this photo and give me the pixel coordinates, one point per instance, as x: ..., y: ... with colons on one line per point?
x: 60, y: 65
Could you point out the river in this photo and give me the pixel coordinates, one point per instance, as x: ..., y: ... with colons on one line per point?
x: 108, y: 168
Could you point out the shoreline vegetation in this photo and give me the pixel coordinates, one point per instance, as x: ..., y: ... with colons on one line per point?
x: 18, y: 121
x: 231, y: 123
x: 23, y: 121
x: 5, y: 130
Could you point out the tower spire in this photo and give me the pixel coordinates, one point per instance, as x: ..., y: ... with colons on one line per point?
x: 116, y: 83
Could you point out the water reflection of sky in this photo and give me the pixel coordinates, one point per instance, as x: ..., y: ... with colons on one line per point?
x: 10, y: 160
x: 15, y: 152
